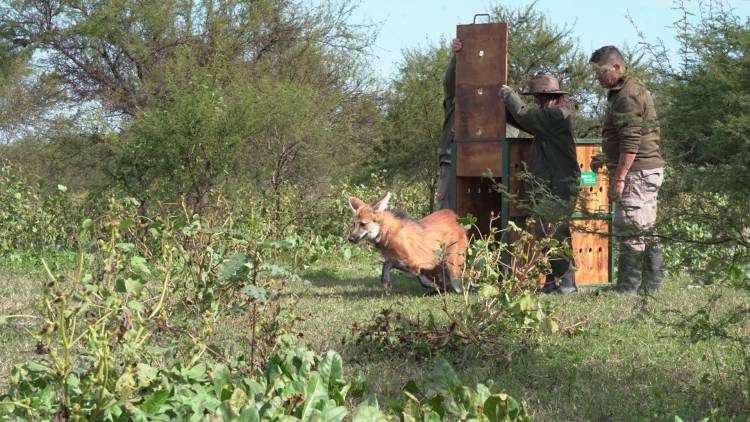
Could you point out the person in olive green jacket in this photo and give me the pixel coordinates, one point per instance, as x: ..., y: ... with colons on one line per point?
x: 554, y: 169
x: 636, y: 171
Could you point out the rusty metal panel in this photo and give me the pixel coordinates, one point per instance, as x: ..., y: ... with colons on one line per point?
x: 475, y: 159
x: 481, y: 67
x: 479, y: 129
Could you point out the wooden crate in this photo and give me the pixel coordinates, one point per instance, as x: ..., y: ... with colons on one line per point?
x: 590, y: 229
x: 590, y: 241
x: 593, y: 198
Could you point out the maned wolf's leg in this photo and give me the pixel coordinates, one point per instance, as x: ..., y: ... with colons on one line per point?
x: 385, y: 276
x: 427, y: 283
x: 423, y: 280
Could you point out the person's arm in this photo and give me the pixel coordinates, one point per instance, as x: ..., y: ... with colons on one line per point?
x: 628, y: 112
x: 449, y: 81
x: 528, y: 119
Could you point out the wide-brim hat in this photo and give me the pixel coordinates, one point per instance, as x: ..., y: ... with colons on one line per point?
x: 544, y: 84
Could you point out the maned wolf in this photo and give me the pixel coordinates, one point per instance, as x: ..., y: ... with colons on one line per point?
x: 432, y: 249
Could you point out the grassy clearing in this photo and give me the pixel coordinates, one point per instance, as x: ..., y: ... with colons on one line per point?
x: 624, y: 363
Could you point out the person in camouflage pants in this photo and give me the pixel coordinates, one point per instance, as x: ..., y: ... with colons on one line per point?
x: 636, y: 171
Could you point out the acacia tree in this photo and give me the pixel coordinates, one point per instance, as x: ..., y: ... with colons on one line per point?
x: 705, y: 123
x: 536, y: 44
x: 24, y: 99
x: 187, y: 81
x: 414, y: 118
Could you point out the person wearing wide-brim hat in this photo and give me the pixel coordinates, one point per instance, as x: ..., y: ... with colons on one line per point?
x: 552, y: 191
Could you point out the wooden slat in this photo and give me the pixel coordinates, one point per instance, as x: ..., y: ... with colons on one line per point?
x: 520, y: 155
x: 592, y: 198
x: 591, y: 251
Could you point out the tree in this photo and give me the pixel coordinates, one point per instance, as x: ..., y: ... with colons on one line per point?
x: 536, y: 44
x: 194, y: 85
x: 414, y: 118
x: 705, y: 123
x: 25, y: 98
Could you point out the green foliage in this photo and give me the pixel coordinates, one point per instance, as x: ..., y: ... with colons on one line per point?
x: 414, y: 118
x: 503, y: 317
x: 30, y: 220
x: 446, y: 398
x: 536, y: 44
x: 704, y: 126
x: 296, y: 384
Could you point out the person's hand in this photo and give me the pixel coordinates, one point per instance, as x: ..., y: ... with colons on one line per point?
x: 439, y: 195
x: 597, y: 162
x: 505, y: 90
x: 616, y: 187
x: 457, y: 45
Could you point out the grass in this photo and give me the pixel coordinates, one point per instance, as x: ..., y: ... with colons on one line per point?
x: 626, y: 362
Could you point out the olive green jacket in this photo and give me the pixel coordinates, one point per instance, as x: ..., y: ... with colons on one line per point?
x: 630, y: 126
x: 554, y: 160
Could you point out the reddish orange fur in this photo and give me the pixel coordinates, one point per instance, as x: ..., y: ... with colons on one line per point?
x: 422, y: 245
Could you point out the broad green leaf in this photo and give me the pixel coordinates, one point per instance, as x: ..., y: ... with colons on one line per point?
x: 34, y: 367
x: 126, y: 223
x: 220, y: 375
x: 197, y: 372
x: 442, y: 378
x: 139, y: 264
x: 128, y: 285
x: 249, y: 414
x: 488, y: 290
x: 332, y: 414
x: 154, y: 402
x: 135, y: 305
x: 126, y: 247
x: 314, y: 392
x: 125, y: 385
x: 238, y: 400
x: 145, y: 374
x: 234, y: 269
x: 87, y: 225
x: 551, y: 325
x: 331, y: 370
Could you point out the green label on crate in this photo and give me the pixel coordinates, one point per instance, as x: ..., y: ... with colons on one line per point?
x: 588, y: 178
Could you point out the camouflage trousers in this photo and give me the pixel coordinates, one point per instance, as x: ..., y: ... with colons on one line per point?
x: 635, y: 214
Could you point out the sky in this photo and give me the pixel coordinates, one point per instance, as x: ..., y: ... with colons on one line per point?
x: 406, y: 24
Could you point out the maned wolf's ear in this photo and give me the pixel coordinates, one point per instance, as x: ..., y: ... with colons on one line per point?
x: 355, y: 203
x: 382, y: 203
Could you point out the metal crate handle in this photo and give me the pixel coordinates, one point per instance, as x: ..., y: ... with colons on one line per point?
x: 482, y: 14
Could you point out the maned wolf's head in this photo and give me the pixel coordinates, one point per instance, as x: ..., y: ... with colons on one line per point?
x: 367, y: 218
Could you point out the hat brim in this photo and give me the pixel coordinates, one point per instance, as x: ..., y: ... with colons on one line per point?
x: 545, y: 92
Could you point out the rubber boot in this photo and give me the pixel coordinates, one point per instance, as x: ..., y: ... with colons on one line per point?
x: 629, y: 270
x: 550, y: 285
x: 653, y: 269
x: 567, y: 283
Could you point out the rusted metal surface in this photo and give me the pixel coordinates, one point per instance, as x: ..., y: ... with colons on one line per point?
x: 481, y: 68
